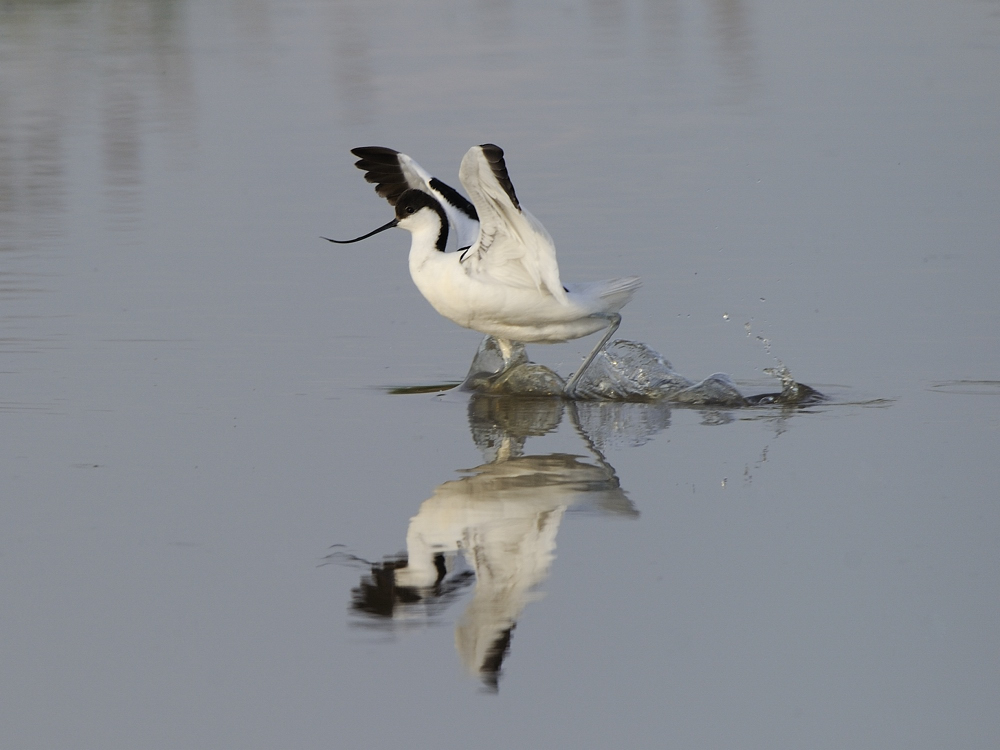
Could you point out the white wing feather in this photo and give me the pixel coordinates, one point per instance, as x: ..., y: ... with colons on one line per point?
x: 513, y: 246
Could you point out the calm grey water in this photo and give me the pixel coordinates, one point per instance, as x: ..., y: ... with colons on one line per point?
x: 207, y: 481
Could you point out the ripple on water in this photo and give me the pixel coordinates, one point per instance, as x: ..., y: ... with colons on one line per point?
x: 967, y: 387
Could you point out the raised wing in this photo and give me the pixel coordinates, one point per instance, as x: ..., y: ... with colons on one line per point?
x: 513, y: 246
x: 394, y: 173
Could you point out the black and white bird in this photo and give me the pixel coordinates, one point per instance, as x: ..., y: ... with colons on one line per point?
x: 504, y: 280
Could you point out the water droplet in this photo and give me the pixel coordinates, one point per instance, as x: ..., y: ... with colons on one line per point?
x: 725, y: 316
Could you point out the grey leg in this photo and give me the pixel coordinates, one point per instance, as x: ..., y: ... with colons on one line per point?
x: 506, y: 351
x: 614, y: 320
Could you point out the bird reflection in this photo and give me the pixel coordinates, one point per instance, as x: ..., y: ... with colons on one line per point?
x: 500, y: 519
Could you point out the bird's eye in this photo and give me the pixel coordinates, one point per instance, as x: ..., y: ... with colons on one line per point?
x: 409, y: 209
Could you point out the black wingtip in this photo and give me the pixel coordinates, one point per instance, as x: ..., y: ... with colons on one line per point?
x: 494, y: 157
x: 381, y: 168
x: 375, y: 152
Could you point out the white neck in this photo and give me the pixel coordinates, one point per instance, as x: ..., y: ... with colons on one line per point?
x: 426, y: 228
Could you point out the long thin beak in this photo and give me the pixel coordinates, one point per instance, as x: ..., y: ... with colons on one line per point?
x: 390, y: 225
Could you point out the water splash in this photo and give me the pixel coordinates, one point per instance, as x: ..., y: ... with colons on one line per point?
x: 792, y: 392
x: 489, y: 373
x: 766, y: 342
x: 625, y: 371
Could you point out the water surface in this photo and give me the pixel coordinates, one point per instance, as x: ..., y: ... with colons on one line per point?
x: 204, y: 462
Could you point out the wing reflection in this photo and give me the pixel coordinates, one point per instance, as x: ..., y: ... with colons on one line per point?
x: 500, y: 519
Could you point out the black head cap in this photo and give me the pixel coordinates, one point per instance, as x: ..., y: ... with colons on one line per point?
x: 412, y: 201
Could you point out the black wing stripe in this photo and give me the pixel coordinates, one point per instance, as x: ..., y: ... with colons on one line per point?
x: 455, y: 198
x: 494, y: 156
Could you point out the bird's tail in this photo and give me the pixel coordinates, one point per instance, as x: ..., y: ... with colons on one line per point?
x: 605, y: 296
x: 617, y: 292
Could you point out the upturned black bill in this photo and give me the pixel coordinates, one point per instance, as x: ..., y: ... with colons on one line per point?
x: 390, y: 225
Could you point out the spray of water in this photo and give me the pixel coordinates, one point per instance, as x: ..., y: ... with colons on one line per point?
x: 624, y: 371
